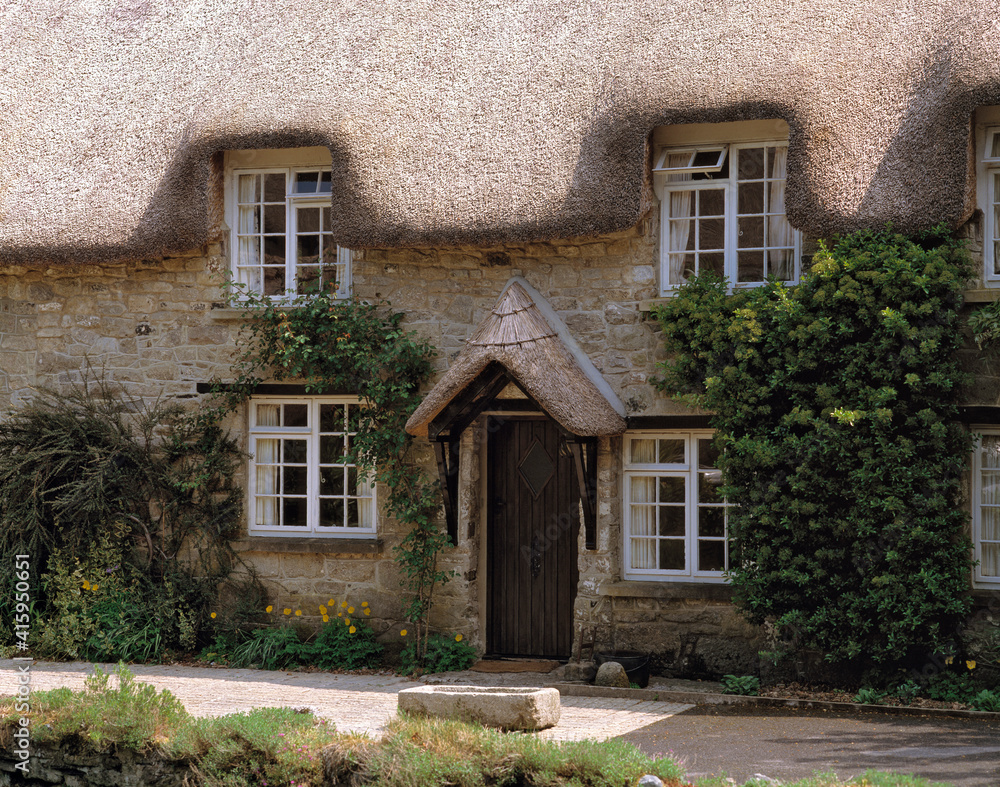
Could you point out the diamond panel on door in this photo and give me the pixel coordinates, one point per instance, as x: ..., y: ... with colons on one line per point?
x: 536, y: 468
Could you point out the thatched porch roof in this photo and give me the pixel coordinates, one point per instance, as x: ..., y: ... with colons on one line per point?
x: 518, y: 337
x: 462, y: 122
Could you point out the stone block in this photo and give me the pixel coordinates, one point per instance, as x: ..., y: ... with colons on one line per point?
x: 611, y: 673
x: 505, y: 707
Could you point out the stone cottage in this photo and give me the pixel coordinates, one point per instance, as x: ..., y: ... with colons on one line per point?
x: 521, y: 180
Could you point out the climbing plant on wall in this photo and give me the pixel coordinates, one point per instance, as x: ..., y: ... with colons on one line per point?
x: 835, y: 405
x: 347, y: 346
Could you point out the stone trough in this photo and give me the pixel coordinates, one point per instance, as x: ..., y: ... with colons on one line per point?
x: 506, y: 707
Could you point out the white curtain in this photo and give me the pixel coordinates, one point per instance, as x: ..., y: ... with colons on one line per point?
x: 681, y: 203
x: 266, y: 459
x: 249, y: 233
x: 779, y: 231
x: 989, y: 508
x: 643, y: 520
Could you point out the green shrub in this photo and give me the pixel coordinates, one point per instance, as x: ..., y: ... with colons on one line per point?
x: 951, y: 687
x: 869, y: 696
x: 444, y: 654
x: 138, y: 499
x: 269, y: 649
x: 336, y: 647
x: 748, y: 685
x: 987, y: 700
x: 834, y: 404
x: 907, y: 691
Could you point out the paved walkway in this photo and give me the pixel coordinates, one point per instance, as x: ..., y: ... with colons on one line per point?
x: 354, y: 703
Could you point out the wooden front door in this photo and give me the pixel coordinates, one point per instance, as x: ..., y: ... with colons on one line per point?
x: 534, y: 522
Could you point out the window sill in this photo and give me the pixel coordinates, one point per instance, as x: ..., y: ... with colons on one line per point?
x: 288, y: 544
x: 656, y: 588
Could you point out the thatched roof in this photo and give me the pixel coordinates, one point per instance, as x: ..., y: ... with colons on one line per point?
x: 538, y: 354
x: 470, y: 122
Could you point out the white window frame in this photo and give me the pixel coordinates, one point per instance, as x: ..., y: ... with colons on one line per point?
x: 664, y: 188
x: 311, y: 434
x: 290, y: 162
x: 980, y: 579
x: 988, y: 194
x: 689, y: 470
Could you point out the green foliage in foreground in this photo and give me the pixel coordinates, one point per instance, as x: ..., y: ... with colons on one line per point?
x: 748, y: 685
x: 282, y: 747
x: 339, y: 644
x: 443, y: 654
x: 835, y: 408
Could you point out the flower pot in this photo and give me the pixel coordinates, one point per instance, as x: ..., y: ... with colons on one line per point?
x: 636, y: 665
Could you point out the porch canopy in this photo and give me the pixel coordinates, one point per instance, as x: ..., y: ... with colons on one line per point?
x: 519, y: 343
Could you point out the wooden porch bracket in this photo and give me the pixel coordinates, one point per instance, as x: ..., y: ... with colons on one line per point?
x: 585, y: 460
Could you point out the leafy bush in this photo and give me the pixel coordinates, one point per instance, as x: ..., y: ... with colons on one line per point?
x: 269, y: 648
x: 987, y: 700
x: 907, y: 691
x: 950, y: 686
x: 834, y: 404
x: 869, y: 696
x: 444, y: 654
x: 748, y: 685
x: 105, y: 491
x: 336, y: 647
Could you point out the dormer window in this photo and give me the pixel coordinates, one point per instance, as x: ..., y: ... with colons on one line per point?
x: 722, y: 209
x: 278, y: 208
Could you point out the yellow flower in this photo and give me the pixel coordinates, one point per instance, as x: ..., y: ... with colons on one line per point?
x: 331, y: 602
x: 287, y: 611
x: 95, y: 587
x: 340, y: 614
x: 212, y: 616
x: 352, y: 629
x: 402, y: 633
x: 298, y: 613
x: 322, y: 609
x: 269, y: 608
x: 458, y: 638
x: 368, y: 612
x: 350, y: 610
x: 949, y: 659
x: 347, y: 621
x: 343, y: 603
x: 364, y: 603
x: 970, y: 664
x: 326, y: 618
x: 86, y: 584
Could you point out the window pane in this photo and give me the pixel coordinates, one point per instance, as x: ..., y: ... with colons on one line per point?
x: 274, y: 219
x: 353, y: 519
x: 331, y: 513
x: 643, y: 451
x: 294, y: 451
x: 305, y: 182
x: 352, y: 480
x: 712, y: 234
x: 671, y: 452
x: 307, y: 250
x: 780, y: 263
x: 989, y: 524
x: 751, y: 232
x: 711, y: 521
x: 643, y: 519
x: 297, y: 415
x: 995, y: 146
x: 294, y: 480
x: 331, y: 418
x: 332, y: 481
x: 274, y: 250
x: 715, y: 263
x: 989, y: 565
x: 267, y: 511
x: 307, y: 280
x: 989, y: 451
x: 711, y: 555
x: 713, y: 203
x: 671, y: 521
x: 681, y: 235
x: 249, y: 188
x: 708, y: 455
x: 324, y: 183
x: 751, y: 198
x: 274, y: 281
x: 268, y: 415
x: 294, y: 510
x: 708, y: 486
x: 308, y: 220
x: 672, y: 490
x: 750, y: 266
x: 672, y: 554
x: 643, y: 553
x: 751, y: 163
x: 274, y: 187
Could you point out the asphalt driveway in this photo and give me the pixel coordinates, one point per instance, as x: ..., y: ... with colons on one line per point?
x: 744, y: 741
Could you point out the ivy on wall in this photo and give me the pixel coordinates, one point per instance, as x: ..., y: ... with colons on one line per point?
x: 835, y: 405
x: 348, y: 346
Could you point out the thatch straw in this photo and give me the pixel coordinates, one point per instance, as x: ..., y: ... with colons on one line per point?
x: 516, y: 335
x: 462, y: 122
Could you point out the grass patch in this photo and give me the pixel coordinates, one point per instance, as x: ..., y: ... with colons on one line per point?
x: 281, y: 747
